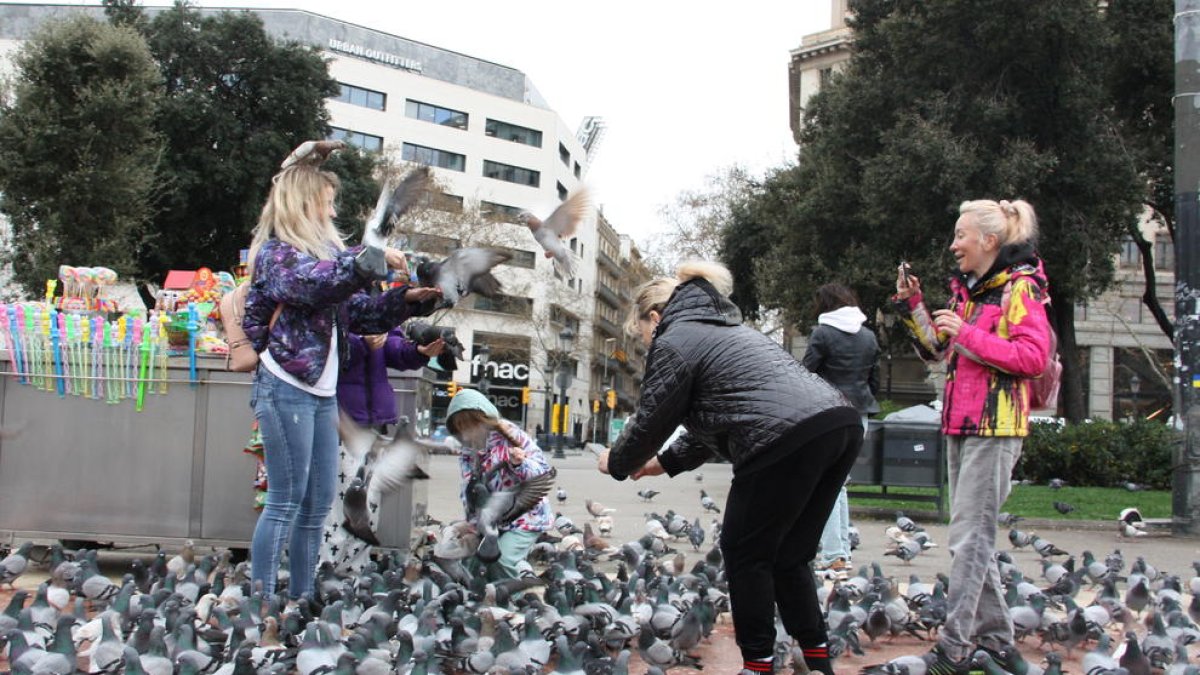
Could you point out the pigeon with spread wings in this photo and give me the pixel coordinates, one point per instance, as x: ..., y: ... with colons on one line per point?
x: 506, y: 506
x: 467, y: 270
x: 560, y: 225
x: 393, y: 203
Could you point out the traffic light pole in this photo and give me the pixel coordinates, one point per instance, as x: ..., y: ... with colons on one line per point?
x: 1185, y: 507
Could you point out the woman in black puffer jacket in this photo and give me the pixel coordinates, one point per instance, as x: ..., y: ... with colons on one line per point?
x: 791, y: 437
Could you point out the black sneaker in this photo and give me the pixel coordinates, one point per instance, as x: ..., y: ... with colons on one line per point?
x: 941, y: 664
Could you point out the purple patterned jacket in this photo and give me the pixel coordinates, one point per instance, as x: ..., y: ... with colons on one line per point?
x: 315, y: 294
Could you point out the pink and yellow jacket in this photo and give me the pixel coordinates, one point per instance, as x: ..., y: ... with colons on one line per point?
x: 996, y: 352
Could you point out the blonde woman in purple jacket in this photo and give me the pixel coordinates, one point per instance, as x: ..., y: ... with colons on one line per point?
x: 302, y: 269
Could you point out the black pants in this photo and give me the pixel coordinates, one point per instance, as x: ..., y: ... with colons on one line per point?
x: 773, y: 523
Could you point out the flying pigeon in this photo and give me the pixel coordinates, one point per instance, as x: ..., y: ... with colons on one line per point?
x: 312, y: 152
x: 467, y: 270
x: 394, y: 203
x: 561, y: 224
x: 504, y: 506
x: 398, y: 462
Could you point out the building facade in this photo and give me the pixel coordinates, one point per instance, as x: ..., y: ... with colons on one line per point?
x: 1125, y: 355
x: 497, y: 149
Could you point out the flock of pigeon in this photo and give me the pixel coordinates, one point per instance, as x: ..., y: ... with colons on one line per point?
x: 593, y: 606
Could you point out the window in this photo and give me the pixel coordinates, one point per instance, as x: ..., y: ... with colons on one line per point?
x: 577, y: 170
x: 514, y: 133
x: 564, y: 155
x: 1130, y: 256
x: 562, y: 192
x: 1164, y: 252
x: 511, y: 174
x: 434, y: 157
x: 367, y: 98
x: 428, y: 112
x: 505, y: 304
x: 500, y: 211
x: 564, y: 318
x: 367, y: 142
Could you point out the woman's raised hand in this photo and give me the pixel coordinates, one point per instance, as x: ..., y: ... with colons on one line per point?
x: 906, y: 283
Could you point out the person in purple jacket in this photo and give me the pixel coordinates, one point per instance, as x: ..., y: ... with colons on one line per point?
x: 307, y: 290
x: 363, y: 390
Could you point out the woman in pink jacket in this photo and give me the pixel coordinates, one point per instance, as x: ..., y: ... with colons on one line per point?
x: 994, y: 336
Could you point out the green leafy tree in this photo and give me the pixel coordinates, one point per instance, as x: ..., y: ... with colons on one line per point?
x: 944, y: 101
x: 1141, y: 82
x: 236, y: 102
x: 80, y: 153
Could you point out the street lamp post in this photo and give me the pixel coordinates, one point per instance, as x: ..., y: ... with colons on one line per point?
x: 565, y: 339
x: 607, y: 416
x: 483, y: 355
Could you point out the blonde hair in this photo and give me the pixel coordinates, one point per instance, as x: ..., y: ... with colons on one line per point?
x: 471, y: 417
x: 653, y: 295
x: 296, y: 212
x: 1010, y: 222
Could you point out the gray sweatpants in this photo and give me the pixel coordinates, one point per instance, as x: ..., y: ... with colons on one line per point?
x: 980, y: 479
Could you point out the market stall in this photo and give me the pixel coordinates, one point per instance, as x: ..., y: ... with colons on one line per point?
x: 125, y: 427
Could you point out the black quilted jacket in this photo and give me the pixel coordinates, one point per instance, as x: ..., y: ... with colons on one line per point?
x: 736, y: 392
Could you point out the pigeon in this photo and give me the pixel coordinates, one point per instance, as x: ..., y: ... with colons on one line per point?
x: 397, y: 464
x: 560, y: 225
x: 1008, y: 519
x: 423, y: 333
x: 1057, y: 483
x: 394, y: 203
x: 904, y: 549
x: 696, y: 535
x: 1133, y: 487
x: 467, y: 270
x: 597, y: 509
x: 1063, y: 507
x: 14, y: 564
x: 504, y: 506
x: 907, y: 524
x: 1045, y: 547
x: 708, y: 503
x: 561, y: 495
x: 312, y: 153
x: 648, y: 495
x: 1019, y: 539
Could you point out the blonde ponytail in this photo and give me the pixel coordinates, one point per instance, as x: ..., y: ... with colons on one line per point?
x: 1010, y: 222
x: 653, y: 295
x: 714, y: 273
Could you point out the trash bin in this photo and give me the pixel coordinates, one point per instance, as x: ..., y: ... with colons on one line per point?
x: 867, y: 469
x: 912, y: 454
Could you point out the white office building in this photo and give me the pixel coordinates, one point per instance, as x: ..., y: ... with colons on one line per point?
x: 493, y: 142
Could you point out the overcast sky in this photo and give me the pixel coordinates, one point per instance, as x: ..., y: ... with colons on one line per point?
x: 686, y: 88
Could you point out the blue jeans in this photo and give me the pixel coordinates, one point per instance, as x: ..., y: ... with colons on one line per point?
x: 300, y: 444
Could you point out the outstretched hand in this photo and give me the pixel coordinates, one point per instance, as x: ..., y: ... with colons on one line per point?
x: 650, y: 468
x: 422, y: 294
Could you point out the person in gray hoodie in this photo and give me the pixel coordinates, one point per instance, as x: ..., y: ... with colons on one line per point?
x: 846, y: 355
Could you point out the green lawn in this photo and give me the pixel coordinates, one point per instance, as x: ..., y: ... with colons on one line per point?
x: 1037, y: 501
